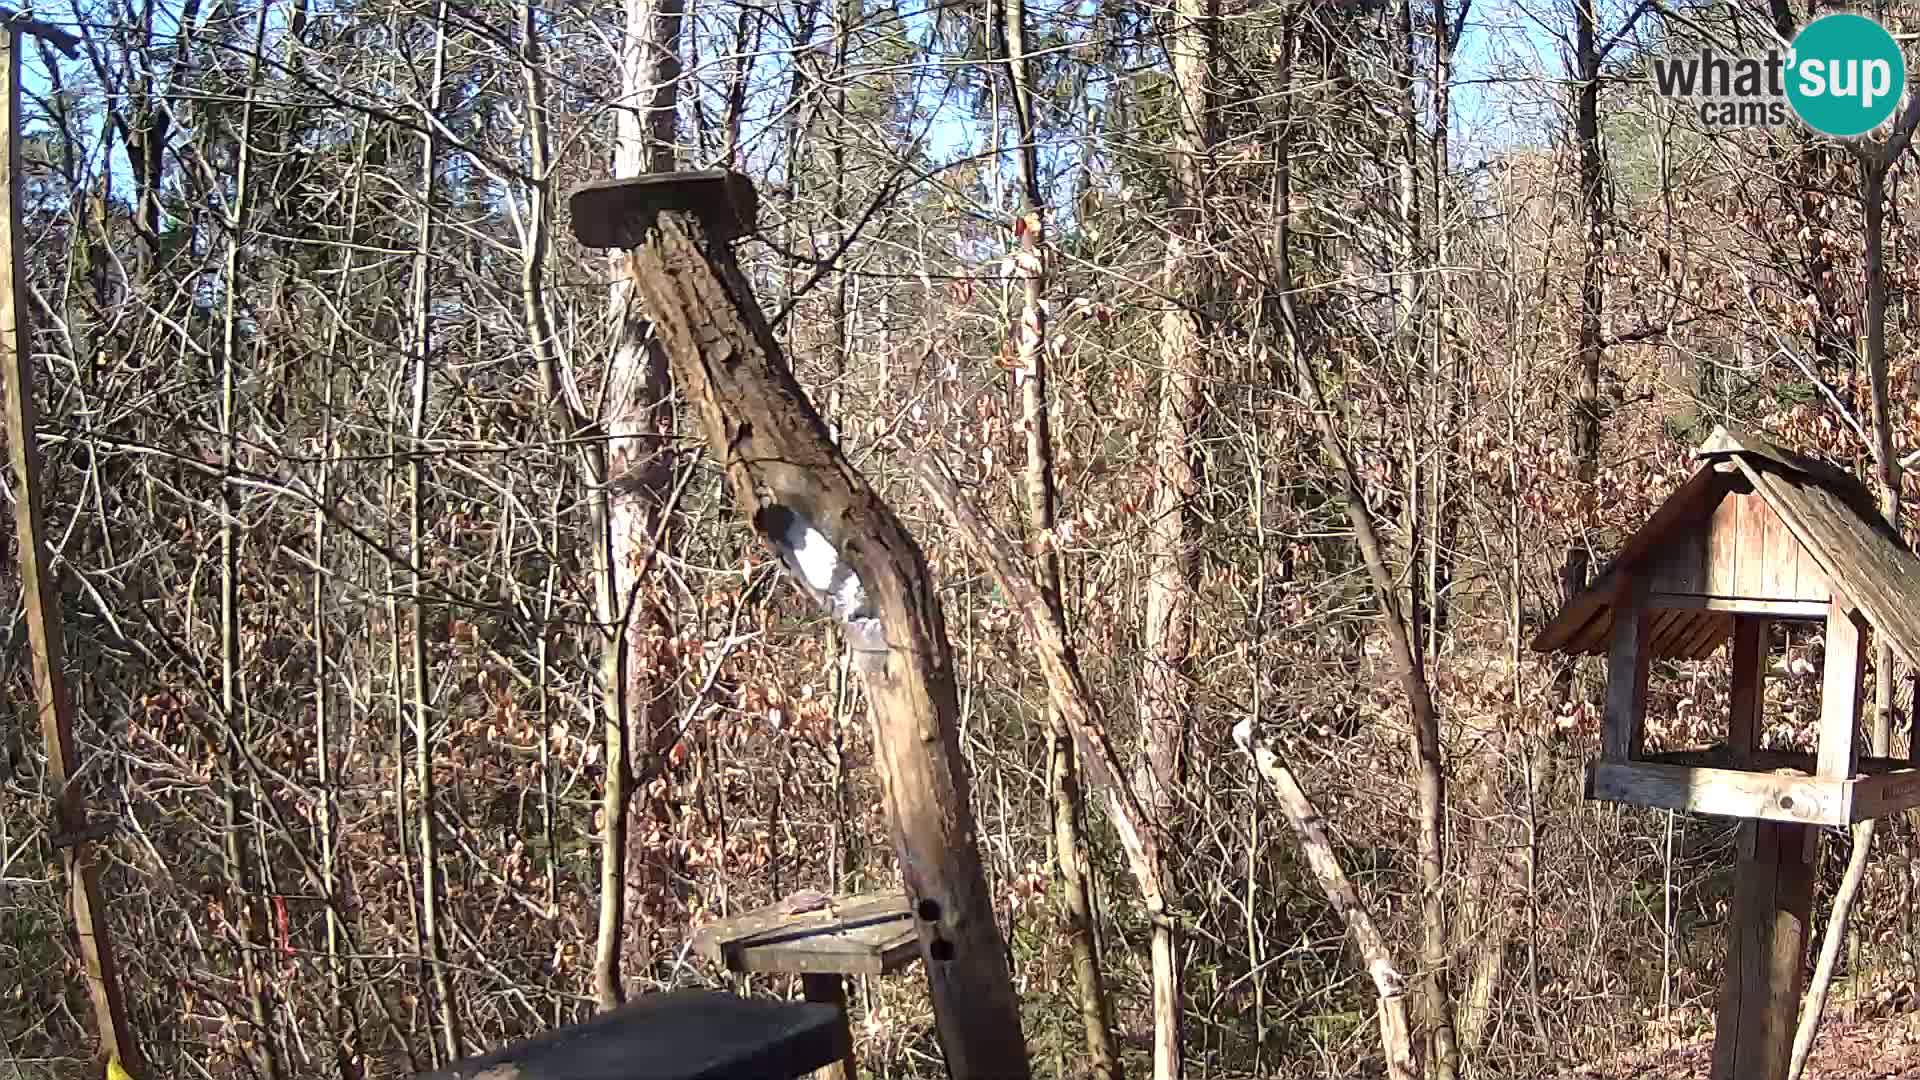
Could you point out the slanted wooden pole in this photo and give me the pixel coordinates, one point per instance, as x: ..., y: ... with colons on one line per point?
x: 851, y: 553
x: 1772, y: 903
x: 42, y: 597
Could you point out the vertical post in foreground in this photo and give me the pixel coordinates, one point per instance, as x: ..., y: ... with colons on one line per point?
x: 851, y: 554
x: 53, y: 700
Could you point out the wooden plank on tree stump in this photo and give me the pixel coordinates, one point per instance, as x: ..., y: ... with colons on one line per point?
x: 851, y: 553
x: 683, y: 1035
x: 869, y: 934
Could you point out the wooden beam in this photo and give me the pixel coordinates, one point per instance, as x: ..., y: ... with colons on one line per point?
x: 1734, y: 793
x: 1766, y: 953
x: 860, y: 563
x: 41, y: 598
x: 830, y: 989
x: 1740, y: 605
x: 1840, y: 691
x: 1750, y: 635
x: 1884, y: 794
x: 1621, y: 732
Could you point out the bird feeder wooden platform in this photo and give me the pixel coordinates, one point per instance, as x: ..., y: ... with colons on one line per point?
x: 1756, y: 535
x: 823, y: 940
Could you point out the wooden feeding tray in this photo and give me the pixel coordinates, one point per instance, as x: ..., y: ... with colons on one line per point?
x: 683, y: 1035
x: 869, y: 934
x: 1771, y: 785
x: 822, y: 939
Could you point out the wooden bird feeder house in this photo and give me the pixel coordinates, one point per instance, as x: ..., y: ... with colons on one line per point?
x: 1756, y: 535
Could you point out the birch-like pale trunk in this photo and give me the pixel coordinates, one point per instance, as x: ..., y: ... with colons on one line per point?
x: 1031, y: 371
x: 445, y: 1008
x: 638, y: 422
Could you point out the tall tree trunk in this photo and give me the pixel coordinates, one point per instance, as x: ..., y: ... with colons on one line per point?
x: 446, y: 1009
x: 1166, y: 700
x: 1031, y: 371
x: 638, y: 422
x: 1584, y: 424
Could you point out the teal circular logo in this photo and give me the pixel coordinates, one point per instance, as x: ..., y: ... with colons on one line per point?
x: 1846, y: 75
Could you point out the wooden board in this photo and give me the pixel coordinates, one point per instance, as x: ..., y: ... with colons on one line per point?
x: 1621, y: 732
x: 869, y: 934
x: 683, y: 1035
x: 1743, y: 551
x: 1779, y: 786
x: 1734, y: 793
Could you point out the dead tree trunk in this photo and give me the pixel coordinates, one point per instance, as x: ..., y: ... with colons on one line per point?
x: 1140, y: 834
x: 1396, y: 1034
x: 833, y: 532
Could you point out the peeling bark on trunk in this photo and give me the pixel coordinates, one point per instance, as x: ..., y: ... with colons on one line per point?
x: 1166, y: 699
x: 637, y: 420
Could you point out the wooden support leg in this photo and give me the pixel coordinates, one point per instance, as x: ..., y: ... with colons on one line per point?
x: 832, y: 990
x: 1766, y: 953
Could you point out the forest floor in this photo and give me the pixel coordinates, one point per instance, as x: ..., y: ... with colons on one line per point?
x: 1884, y: 1048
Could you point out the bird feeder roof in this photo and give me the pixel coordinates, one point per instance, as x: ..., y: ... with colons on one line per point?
x: 1827, y: 513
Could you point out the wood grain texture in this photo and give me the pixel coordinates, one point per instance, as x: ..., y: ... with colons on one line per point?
x: 1622, y: 731
x: 1722, y: 792
x: 1840, y: 683
x: 1748, y: 696
x: 1766, y: 951
x: 869, y: 934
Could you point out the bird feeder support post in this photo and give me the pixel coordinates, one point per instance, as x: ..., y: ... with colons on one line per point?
x: 52, y: 696
x: 1773, y: 886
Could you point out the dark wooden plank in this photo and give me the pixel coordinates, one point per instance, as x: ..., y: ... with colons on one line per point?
x: 1680, y: 564
x: 616, y: 213
x: 1621, y: 732
x: 832, y: 990
x: 1888, y: 792
x: 683, y: 1035
x: 1748, y: 698
x: 869, y: 934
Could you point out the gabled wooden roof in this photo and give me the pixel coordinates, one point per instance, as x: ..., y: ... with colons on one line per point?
x: 1829, y: 513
